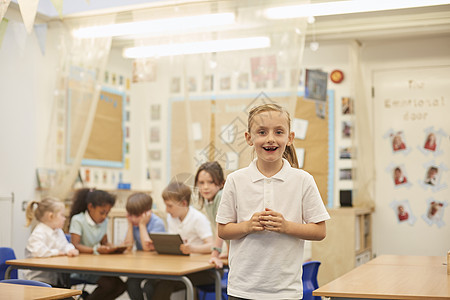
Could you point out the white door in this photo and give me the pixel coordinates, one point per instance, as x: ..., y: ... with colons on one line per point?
x: 411, y: 216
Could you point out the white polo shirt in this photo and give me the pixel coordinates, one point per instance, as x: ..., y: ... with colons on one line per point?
x: 265, y: 264
x: 194, y: 228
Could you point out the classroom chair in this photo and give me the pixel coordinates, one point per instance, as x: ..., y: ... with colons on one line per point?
x: 6, y: 253
x: 309, y: 279
x: 208, y: 291
x: 26, y: 282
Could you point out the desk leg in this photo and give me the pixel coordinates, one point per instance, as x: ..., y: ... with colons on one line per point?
x: 189, y: 288
x: 8, y: 272
x: 218, y: 284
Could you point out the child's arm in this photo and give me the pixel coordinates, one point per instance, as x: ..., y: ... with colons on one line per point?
x: 146, y: 242
x: 37, y: 246
x: 216, y: 252
x: 274, y: 221
x: 203, y: 248
x: 129, y: 237
x: 235, y: 231
x: 76, y: 241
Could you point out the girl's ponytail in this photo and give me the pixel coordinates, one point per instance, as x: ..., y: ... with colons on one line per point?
x: 29, y: 213
x: 291, y: 156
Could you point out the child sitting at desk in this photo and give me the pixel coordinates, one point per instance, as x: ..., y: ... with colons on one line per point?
x: 47, y: 238
x: 141, y: 221
x: 193, y: 227
x: 88, y: 225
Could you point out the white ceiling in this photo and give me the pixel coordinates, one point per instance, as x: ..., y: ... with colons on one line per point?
x: 428, y: 21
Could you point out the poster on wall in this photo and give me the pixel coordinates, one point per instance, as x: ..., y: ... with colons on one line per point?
x: 412, y: 153
x: 106, y: 142
x: 316, y: 85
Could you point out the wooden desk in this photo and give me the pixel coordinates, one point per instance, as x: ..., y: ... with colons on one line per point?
x: 137, y: 264
x: 26, y: 292
x: 384, y: 278
x: 409, y: 260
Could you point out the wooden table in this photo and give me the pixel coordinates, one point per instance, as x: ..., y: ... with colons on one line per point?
x: 393, y: 277
x: 137, y: 264
x: 26, y: 292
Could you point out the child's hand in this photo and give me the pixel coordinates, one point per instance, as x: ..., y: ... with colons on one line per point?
x: 73, y: 252
x: 150, y: 245
x: 185, y: 248
x: 254, y: 223
x: 272, y: 221
x: 145, y: 217
x: 104, y: 249
x: 217, y: 262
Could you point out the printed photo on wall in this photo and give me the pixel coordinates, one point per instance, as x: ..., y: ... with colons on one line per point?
x: 208, y: 83
x: 154, y: 135
x: 347, y: 129
x: 402, y: 211
x: 321, y: 109
x: 175, y: 84
x: 398, y: 175
x: 347, y: 106
x: 192, y: 84
x: 345, y: 153
x: 432, y: 141
x: 432, y: 176
x: 155, y: 112
x: 345, y: 174
x: 434, y: 212
x: 154, y: 155
x: 225, y: 83
x: 397, y: 141
x: 243, y: 81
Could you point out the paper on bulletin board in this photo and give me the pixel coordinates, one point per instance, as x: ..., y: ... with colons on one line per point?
x: 300, y: 156
x: 300, y: 126
x: 196, y: 131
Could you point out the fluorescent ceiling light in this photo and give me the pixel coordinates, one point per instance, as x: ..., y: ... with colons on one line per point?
x: 152, y: 26
x: 345, y: 7
x: 198, y: 47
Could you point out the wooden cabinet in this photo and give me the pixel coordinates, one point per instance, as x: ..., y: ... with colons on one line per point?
x: 348, y: 243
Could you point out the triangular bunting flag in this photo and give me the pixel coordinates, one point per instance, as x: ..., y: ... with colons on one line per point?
x: 58, y: 4
x: 3, y: 7
x: 28, y: 9
x: 3, y: 25
x: 41, y: 34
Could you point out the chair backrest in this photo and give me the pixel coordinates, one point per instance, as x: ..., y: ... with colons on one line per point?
x: 68, y: 237
x: 309, y: 279
x: 6, y: 253
x: 26, y: 282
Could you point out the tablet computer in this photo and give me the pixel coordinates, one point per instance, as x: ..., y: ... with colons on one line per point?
x: 167, y: 243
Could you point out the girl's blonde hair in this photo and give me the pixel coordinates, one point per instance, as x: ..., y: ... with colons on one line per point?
x: 37, y: 209
x: 289, y: 153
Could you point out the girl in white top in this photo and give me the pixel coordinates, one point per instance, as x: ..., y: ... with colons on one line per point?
x: 267, y: 211
x: 47, y: 238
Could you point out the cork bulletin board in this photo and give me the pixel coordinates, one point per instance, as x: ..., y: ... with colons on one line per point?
x: 106, y: 142
x: 213, y: 129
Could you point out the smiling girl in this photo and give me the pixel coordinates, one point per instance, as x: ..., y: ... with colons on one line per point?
x: 268, y: 210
